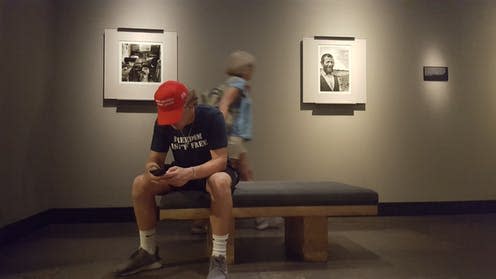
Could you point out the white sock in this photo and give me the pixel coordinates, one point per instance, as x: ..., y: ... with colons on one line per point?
x: 147, y: 241
x: 219, y: 245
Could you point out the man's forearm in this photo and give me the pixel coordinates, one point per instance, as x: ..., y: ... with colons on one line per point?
x: 208, y: 168
x: 155, y: 160
x: 151, y: 165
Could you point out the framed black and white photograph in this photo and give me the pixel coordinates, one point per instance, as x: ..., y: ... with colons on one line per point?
x: 334, y: 70
x: 141, y: 62
x: 137, y: 61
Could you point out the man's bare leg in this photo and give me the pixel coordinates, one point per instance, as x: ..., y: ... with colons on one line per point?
x: 145, y: 209
x: 219, y: 187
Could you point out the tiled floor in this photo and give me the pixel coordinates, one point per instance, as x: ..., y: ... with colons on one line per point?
x: 449, y: 246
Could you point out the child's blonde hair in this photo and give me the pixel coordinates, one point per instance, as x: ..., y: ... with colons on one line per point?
x: 237, y: 61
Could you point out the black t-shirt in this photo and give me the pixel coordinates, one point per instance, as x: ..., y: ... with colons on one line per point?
x: 191, y: 146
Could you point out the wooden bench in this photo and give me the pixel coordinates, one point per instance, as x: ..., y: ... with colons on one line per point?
x: 305, y: 207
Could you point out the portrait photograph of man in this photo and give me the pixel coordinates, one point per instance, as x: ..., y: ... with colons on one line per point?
x: 334, y: 70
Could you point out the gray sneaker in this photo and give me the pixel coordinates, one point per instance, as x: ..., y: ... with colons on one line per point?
x: 218, y: 268
x: 263, y: 223
x: 139, y: 261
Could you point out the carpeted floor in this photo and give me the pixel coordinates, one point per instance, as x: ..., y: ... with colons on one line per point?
x: 434, y: 247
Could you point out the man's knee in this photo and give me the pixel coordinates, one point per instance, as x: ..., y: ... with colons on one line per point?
x: 140, y: 188
x: 219, y: 186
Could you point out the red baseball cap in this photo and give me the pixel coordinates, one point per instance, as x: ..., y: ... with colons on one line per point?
x: 170, y: 98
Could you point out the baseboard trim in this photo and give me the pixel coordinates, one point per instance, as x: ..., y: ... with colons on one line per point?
x: 92, y: 215
x: 437, y: 208
x: 125, y: 214
x: 23, y: 227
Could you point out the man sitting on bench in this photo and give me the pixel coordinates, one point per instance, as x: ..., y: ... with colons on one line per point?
x: 196, y: 134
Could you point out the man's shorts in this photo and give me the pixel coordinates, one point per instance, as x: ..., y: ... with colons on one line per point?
x: 201, y: 184
x: 235, y: 147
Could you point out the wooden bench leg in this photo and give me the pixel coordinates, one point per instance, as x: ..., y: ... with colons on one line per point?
x: 306, y: 238
x: 230, y: 242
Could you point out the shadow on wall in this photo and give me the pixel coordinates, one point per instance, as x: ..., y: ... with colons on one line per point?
x: 131, y: 106
x: 317, y: 109
x: 332, y: 109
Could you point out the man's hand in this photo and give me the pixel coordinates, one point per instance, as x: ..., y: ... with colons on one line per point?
x: 178, y: 176
x: 151, y: 166
x: 149, y: 175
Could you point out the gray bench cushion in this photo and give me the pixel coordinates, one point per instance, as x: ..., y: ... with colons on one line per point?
x: 278, y: 193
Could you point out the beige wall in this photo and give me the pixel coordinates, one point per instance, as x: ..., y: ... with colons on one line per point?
x: 415, y: 140
x: 27, y: 51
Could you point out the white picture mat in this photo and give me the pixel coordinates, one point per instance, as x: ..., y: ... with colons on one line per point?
x: 311, y: 75
x: 113, y: 87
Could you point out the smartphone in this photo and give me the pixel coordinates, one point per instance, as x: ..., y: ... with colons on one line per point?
x: 161, y: 171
